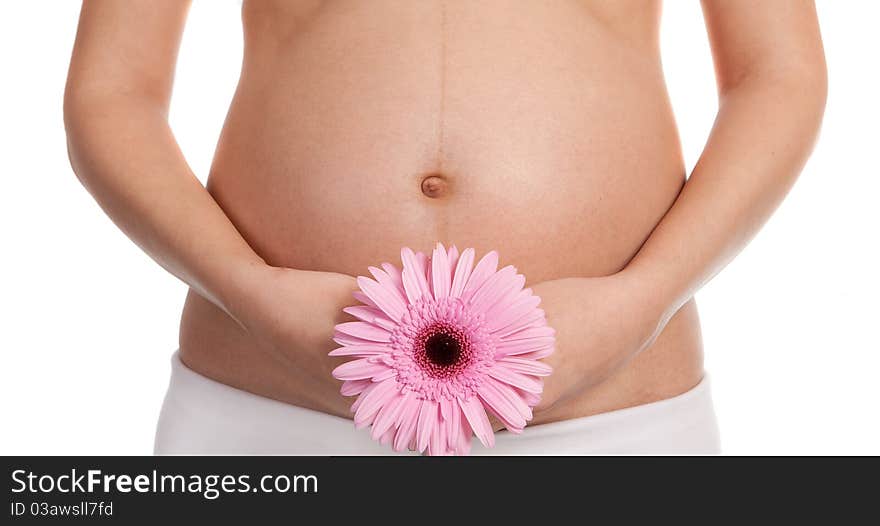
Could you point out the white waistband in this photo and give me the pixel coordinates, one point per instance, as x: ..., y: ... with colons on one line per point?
x: 200, y: 415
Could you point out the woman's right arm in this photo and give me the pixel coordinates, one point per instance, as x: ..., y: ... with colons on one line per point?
x: 122, y: 149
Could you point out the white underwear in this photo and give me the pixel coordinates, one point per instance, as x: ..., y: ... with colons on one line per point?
x: 202, y: 416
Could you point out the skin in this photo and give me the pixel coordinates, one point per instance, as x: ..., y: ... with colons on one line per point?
x: 359, y: 128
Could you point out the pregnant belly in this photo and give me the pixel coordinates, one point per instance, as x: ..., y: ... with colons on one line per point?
x: 546, y: 141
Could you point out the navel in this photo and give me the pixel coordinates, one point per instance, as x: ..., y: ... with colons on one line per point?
x: 434, y: 185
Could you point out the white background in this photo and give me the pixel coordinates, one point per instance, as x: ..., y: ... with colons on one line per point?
x: 89, y: 322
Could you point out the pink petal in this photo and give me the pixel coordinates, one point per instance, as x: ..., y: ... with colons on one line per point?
x: 527, y: 383
x: 513, y: 396
x: 479, y: 422
x: 384, y: 323
x: 537, y: 355
x: 387, y: 415
x: 462, y: 272
x: 455, y: 429
x: 363, y: 351
x: 436, y: 442
x: 531, y: 399
x: 445, y: 408
x: 386, y: 298
x: 513, y: 311
x: 408, y: 420
x: 448, y: 436
x: 510, y: 348
x: 500, y: 406
x: 347, y: 339
x: 358, y: 370
x: 530, y: 332
x: 427, y: 419
x: 483, y: 271
x: 365, y: 312
x: 526, y: 366
x: 395, y: 277
x: 533, y: 318
x: 463, y: 442
x: 386, y: 438
x: 364, y: 331
x: 360, y: 400
x: 514, y: 293
x: 385, y: 375
x: 441, y: 274
x: 414, y: 281
x: 423, y: 261
x: 363, y: 298
x: 428, y: 271
x: 390, y: 282
x: 497, y: 286
x: 354, y: 387
x: 503, y: 412
x: 511, y: 297
x: 372, y: 402
x: 452, y: 254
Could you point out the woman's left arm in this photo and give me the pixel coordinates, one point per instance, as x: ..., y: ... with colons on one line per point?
x: 772, y: 82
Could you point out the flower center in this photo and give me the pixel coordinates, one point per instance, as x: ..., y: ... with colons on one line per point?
x: 442, y: 349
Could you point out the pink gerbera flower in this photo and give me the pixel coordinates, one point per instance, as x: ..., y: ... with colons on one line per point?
x: 438, y: 345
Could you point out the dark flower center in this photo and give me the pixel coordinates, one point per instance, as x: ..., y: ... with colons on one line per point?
x: 442, y: 349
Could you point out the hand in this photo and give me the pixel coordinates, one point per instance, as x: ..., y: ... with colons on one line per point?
x: 290, y: 314
x: 600, y: 324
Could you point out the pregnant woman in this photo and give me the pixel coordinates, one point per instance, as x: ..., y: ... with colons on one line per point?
x: 542, y: 130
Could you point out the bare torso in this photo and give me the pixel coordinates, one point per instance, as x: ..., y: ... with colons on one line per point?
x: 540, y: 129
